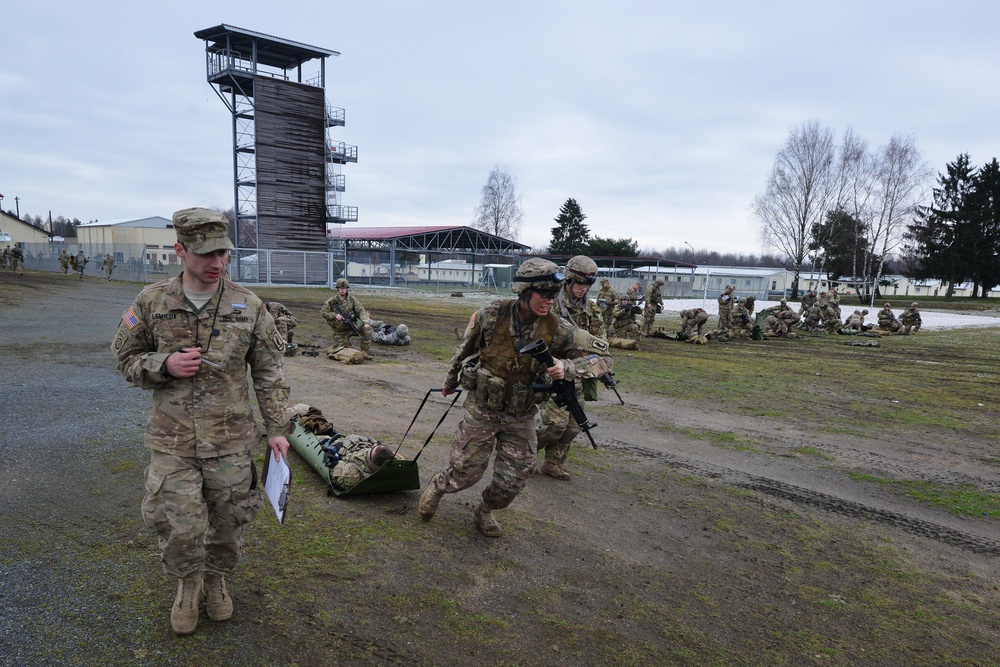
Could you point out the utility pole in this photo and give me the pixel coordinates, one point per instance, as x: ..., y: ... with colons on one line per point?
x: 17, y: 203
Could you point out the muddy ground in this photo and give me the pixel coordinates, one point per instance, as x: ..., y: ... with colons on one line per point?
x: 671, y: 544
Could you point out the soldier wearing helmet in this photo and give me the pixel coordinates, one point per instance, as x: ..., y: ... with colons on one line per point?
x: 910, y: 319
x: 654, y: 305
x: 607, y: 299
x: 887, y: 320
x: 500, y: 405
x: 344, y: 305
x: 725, y: 309
x: 557, y: 428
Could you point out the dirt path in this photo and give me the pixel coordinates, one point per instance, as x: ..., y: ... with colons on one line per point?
x: 663, y: 549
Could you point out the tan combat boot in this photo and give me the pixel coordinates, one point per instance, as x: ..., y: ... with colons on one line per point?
x: 217, y: 600
x: 184, y: 615
x: 554, y: 469
x: 487, y: 523
x: 430, y: 498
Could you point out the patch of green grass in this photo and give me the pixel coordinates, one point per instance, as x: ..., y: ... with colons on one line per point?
x: 814, y: 452
x: 963, y: 499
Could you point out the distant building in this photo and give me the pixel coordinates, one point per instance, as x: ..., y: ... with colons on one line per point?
x: 14, y: 230
x: 155, y: 234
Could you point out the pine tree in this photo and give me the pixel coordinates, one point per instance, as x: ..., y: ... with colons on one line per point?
x: 570, y: 236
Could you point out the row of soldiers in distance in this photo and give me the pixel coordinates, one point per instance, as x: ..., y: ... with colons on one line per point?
x: 816, y: 314
x: 14, y: 258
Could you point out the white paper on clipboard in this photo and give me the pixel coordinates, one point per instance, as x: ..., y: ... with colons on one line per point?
x: 277, y: 480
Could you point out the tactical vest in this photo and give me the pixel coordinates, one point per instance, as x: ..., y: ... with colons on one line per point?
x: 505, y: 364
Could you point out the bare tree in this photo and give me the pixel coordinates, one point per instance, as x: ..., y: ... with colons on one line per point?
x: 800, y: 191
x: 499, y: 211
x: 855, y: 178
x: 900, y: 176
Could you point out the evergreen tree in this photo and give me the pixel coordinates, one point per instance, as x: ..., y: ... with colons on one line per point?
x: 609, y: 247
x: 570, y: 235
x: 984, y: 254
x: 943, y: 237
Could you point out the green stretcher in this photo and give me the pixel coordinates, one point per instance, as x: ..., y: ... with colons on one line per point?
x: 396, y: 475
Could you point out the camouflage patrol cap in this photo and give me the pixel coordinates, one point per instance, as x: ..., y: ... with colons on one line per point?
x: 202, y: 230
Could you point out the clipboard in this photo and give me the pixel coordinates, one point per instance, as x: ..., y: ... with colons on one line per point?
x: 277, y: 482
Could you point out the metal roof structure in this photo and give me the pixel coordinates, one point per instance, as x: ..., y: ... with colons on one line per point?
x: 271, y: 51
x: 427, y: 239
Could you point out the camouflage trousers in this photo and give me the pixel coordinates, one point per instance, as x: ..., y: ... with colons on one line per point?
x: 556, y: 431
x: 648, y: 315
x: 342, y: 337
x: 480, y: 432
x: 199, y: 508
x: 17, y: 266
x: 725, y: 318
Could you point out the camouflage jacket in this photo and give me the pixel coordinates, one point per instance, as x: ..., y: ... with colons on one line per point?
x: 351, y: 307
x: 568, y: 342
x: 607, y: 297
x: 654, y: 297
x: 210, y: 414
x: 584, y: 313
x: 910, y: 316
x: 886, y: 317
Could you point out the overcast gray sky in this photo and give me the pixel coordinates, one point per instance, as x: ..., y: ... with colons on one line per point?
x: 661, y: 119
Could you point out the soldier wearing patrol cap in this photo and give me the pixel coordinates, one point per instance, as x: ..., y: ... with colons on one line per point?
x: 190, y: 339
x: 500, y: 405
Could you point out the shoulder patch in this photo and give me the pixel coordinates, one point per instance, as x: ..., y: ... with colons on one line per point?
x: 276, y: 338
x: 130, y: 320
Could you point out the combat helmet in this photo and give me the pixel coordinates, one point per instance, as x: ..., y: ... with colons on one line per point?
x: 402, y: 330
x: 342, y: 282
x: 537, y: 274
x: 581, y: 269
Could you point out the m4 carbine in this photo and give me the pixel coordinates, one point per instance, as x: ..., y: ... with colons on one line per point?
x: 348, y: 319
x: 563, y: 391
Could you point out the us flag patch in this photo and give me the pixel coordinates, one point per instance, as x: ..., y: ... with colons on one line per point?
x: 130, y: 319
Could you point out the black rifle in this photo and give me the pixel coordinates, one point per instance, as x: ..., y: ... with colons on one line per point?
x: 611, y: 383
x: 563, y: 391
x: 349, y: 320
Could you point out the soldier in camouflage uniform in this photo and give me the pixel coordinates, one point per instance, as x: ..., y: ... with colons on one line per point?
x: 887, y: 320
x: 692, y: 321
x: 742, y: 319
x: 910, y: 319
x: 855, y: 323
x: 654, y: 305
x: 108, y: 265
x: 725, y: 309
x: 623, y: 324
x: 4, y: 257
x: 285, y: 321
x: 812, y: 319
x: 17, y: 260
x: 500, y: 407
x: 386, y: 334
x: 64, y: 261
x: 833, y: 300
x: 81, y: 263
x: 607, y: 299
x: 807, y: 301
x: 191, y: 339
x: 342, y: 331
x: 557, y: 428
x: 634, y: 293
